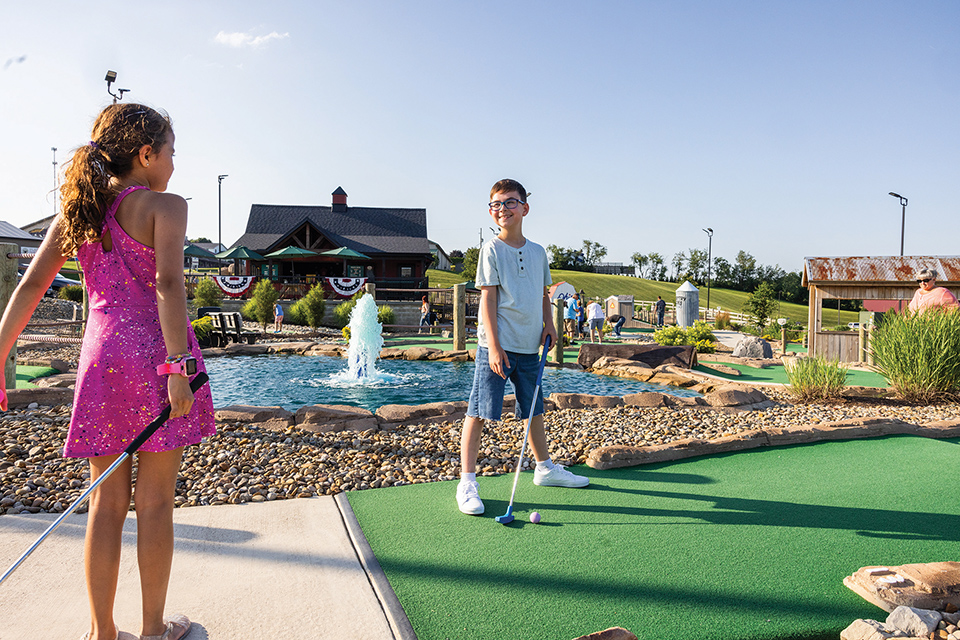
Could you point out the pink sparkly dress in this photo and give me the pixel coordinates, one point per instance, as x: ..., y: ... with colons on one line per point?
x: 118, y: 390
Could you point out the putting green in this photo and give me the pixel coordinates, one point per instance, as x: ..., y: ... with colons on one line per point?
x: 736, y: 546
x: 26, y: 373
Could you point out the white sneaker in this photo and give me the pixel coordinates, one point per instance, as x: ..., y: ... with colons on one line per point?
x: 468, y: 498
x: 558, y: 477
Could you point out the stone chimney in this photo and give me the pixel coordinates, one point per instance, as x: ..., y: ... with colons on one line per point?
x: 340, y: 200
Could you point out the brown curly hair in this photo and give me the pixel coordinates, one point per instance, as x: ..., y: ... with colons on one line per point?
x: 90, y: 181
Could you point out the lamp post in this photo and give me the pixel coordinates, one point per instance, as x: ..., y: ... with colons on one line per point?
x: 56, y: 180
x: 903, y: 218
x: 709, y: 233
x: 110, y: 78
x: 219, y: 211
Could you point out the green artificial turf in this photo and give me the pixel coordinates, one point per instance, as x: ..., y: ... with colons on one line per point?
x: 752, y: 545
x: 778, y: 374
x: 26, y: 373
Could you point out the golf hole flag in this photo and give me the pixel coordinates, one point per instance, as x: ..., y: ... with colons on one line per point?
x: 234, y: 285
x: 346, y: 287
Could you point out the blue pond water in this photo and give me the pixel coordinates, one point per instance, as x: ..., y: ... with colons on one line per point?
x: 291, y: 381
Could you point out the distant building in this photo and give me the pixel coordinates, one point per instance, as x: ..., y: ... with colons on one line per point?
x: 13, y: 235
x: 389, y: 246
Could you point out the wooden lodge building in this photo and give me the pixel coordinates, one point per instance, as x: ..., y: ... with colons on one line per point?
x: 388, y: 246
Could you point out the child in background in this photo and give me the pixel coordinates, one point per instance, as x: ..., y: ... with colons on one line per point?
x: 513, y: 275
x: 128, y: 237
x: 595, y: 319
x: 278, y: 317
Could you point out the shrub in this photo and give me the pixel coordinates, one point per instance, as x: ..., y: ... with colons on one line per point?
x: 919, y: 354
x: 71, y: 292
x: 722, y: 321
x: 309, y: 309
x: 386, y: 315
x: 259, y: 308
x: 814, y: 378
x: 202, y: 327
x: 699, y: 335
x: 206, y: 293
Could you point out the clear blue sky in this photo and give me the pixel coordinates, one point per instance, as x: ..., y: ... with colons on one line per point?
x: 781, y: 125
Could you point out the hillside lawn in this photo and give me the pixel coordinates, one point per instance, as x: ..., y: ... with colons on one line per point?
x: 595, y: 284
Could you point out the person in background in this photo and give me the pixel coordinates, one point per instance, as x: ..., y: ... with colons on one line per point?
x: 929, y: 295
x: 424, y: 315
x: 595, y: 318
x: 661, y: 308
x: 278, y: 317
x: 617, y: 321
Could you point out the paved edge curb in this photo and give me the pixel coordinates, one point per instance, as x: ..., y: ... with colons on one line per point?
x: 392, y: 609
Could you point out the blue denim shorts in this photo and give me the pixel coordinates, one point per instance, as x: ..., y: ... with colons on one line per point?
x: 486, y: 397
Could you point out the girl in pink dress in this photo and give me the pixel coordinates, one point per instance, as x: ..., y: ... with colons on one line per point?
x: 127, y: 235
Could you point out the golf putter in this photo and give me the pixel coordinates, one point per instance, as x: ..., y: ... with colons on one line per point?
x: 195, y: 384
x: 507, y: 518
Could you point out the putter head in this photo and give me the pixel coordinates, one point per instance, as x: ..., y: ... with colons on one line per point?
x: 506, y: 518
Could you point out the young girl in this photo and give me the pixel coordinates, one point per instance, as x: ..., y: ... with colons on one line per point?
x: 424, y: 315
x: 128, y: 237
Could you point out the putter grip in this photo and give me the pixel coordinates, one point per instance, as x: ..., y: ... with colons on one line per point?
x: 198, y: 381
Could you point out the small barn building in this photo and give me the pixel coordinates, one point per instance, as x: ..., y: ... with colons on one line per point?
x: 881, y: 282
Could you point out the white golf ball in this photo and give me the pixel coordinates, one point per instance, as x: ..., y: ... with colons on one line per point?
x: 535, y: 517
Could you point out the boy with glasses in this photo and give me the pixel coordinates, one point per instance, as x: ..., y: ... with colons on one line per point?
x: 515, y: 317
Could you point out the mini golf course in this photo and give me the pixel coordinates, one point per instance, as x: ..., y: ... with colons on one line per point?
x: 752, y: 545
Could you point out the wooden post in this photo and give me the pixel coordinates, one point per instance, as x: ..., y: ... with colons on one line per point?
x: 460, y: 316
x: 556, y: 352
x: 8, y: 282
x: 371, y: 289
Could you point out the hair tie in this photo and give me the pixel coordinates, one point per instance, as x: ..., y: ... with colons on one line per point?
x: 94, y: 145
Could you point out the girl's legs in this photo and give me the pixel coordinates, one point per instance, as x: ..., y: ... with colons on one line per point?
x: 108, y: 509
x: 153, y: 498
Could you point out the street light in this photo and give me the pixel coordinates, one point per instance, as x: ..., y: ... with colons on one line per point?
x: 110, y: 78
x: 219, y: 211
x: 709, y: 233
x: 903, y: 218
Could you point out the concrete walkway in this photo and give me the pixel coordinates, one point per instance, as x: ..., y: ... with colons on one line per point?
x: 289, y: 569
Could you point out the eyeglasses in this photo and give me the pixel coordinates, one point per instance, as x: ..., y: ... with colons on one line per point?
x: 509, y: 203
x: 923, y: 280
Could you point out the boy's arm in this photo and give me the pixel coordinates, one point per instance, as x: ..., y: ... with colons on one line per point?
x: 549, y: 329
x: 488, y: 312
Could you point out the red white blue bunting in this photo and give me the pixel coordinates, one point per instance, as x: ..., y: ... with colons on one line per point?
x: 234, y: 286
x: 346, y: 287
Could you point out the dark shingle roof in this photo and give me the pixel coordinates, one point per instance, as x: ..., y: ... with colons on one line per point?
x: 368, y: 230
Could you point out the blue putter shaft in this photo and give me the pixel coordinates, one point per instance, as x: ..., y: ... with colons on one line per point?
x: 507, y: 518
x: 199, y: 380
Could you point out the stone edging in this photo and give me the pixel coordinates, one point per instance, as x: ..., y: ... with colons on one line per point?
x: 628, y: 456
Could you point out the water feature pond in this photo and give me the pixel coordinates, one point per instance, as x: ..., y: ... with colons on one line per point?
x: 292, y: 381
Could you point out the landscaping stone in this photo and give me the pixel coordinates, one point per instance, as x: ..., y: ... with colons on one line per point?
x: 732, y: 396
x: 646, y: 399
x: 403, y: 413
x: 870, y: 630
x: 330, y: 350
x: 653, y: 355
x: 584, y: 400
x: 933, y: 585
x: 914, y: 622
x: 419, y: 353
x: 291, y: 347
x: 61, y: 380
x: 613, y: 633
x: 250, y: 413
x: 391, y: 353
x: 48, y: 397
x: 752, y: 347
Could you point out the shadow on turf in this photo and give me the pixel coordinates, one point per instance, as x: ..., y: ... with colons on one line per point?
x: 879, y: 523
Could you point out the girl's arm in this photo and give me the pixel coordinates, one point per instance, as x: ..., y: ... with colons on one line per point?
x: 170, y: 228
x: 43, y: 268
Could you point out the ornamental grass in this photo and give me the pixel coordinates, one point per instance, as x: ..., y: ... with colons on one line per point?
x: 919, y: 354
x: 813, y: 378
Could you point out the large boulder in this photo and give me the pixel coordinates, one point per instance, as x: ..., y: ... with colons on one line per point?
x: 652, y: 355
x: 753, y: 347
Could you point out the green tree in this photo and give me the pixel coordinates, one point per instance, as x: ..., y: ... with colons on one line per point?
x: 697, y: 264
x: 593, y: 252
x: 744, y: 271
x: 640, y: 261
x: 679, y: 259
x: 260, y: 305
x: 201, y: 239
x: 761, y: 304
x: 657, y: 269
x: 470, y: 259
x: 206, y: 294
x: 310, y: 307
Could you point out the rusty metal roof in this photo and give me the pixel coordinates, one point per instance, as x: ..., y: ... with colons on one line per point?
x: 878, y: 269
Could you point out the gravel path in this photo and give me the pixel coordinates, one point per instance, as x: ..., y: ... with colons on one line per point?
x: 243, y: 463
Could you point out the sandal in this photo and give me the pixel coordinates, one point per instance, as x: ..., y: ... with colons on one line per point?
x: 121, y: 635
x: 177, y: 627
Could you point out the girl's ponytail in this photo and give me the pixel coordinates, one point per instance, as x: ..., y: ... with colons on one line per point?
x: 90, y: 181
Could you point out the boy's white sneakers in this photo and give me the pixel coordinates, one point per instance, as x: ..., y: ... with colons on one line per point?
x: 468, y: 498
x: 558, y: 477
